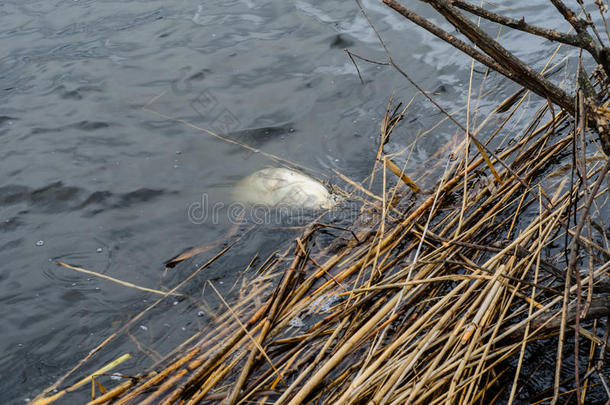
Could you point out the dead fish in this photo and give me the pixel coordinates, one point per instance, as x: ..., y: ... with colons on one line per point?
x: 274, y: 187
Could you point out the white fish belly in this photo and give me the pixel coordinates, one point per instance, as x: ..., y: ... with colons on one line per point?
x: 275, y: 187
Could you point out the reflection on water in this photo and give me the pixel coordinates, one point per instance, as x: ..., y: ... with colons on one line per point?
x: 102, y: 154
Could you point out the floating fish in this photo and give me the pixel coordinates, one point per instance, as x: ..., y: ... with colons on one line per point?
x: 275, y: 187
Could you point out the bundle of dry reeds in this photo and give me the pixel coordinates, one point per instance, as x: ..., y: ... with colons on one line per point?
x: 432, y: 296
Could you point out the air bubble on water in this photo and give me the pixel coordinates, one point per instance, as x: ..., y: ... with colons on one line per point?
x: 40, y: 243
x: 175, y: 166
x: 200, y: 313
x: 143, y: 327
x: 178, y: 152
x: 116, y: 377
x: 256, y: 150
x: 296, y: 322
x: 175, y: 302
x: 328, y: 304
x: 291, y: 129
x: 324, y: 303
x: 73, y: 284
x: 99, y: 250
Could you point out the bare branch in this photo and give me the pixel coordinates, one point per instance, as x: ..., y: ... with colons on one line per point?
x: 601, y: 56
x: 511, y: 66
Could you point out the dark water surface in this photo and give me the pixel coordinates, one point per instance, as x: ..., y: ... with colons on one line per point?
x: 91, y: 178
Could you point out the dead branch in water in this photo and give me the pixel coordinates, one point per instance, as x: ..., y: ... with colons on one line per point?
x: 498, y: 58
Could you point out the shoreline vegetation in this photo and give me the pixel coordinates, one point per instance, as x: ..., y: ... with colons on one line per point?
x: 459, y: 292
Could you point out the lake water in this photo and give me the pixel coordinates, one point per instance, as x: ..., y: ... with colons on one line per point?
x: 102, y: 153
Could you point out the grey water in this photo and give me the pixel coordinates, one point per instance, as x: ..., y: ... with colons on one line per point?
x: 103, y: 112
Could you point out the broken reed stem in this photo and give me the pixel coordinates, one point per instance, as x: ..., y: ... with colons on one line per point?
x: 401, y: 174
